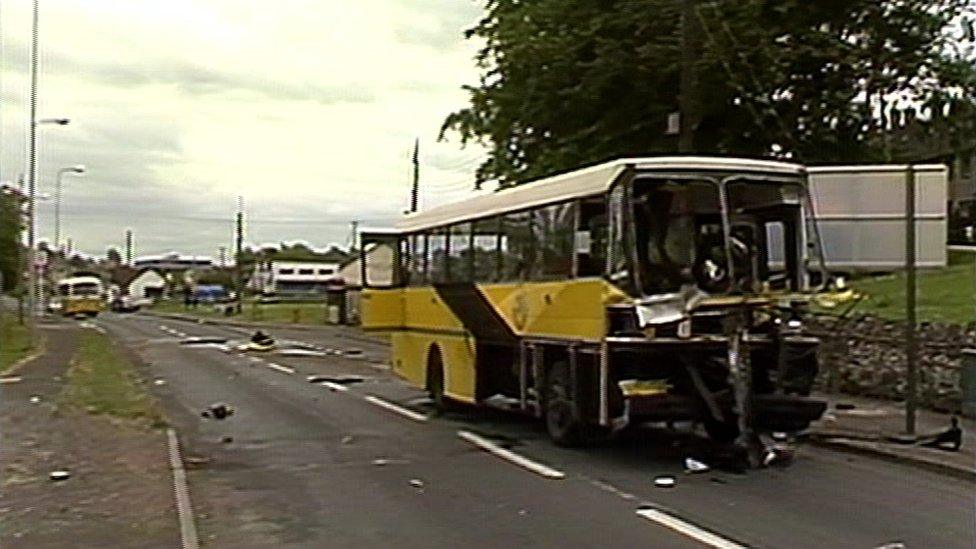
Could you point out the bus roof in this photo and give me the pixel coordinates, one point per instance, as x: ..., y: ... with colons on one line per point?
x: 579, y: 183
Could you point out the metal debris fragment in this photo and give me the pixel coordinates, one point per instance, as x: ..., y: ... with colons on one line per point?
x: 664, y: 481
x: 34, y: 399
x: 692, y: 465
x: 60, y: 475
x: 219, y: 410
x: 417, y: 483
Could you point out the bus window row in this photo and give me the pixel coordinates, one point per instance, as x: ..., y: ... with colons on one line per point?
x: 552, y: 242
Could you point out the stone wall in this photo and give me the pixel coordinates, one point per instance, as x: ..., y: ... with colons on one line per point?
x: 866, y: 356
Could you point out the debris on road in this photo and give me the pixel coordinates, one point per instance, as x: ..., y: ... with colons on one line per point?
x: 219, y: 410
x: 417, y: 483
x: 195, y: 462
x: 159, y: 381
x: 346, y: 439
x: 692, y: 465
x: 34, y: 399
x: 341, y: 380
x: 260, y: 341
x: 60, y: 475
x: 664, y: 481
x: 227, y: 439
x: 354, y: 351
x: 380, y: 462
x: 9, y: 379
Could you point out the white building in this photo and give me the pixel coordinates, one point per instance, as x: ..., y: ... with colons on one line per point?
x: 293, y: 277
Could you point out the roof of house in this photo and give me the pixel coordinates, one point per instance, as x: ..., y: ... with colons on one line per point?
x: 123, y: 275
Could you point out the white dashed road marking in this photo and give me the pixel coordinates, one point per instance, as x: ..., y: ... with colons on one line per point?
x: 416, y: 416
x: 280, y: 368
x: 511, y: 456
x: 335, y: 386
x: 689, y: 529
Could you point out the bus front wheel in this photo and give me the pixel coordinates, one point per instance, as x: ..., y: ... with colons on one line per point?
x: 563, y: 428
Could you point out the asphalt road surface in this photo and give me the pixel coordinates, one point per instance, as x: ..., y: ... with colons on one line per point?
x: 304, y: 464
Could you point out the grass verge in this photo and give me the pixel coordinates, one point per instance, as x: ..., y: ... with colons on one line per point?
x: 15, y: 342
x: 103, y: 381
x: 944, y: 295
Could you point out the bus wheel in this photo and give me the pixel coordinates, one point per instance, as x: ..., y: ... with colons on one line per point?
x: 435, y: 381
x: 563, y: 429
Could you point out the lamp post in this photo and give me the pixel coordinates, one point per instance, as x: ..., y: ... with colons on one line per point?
x: 77, y: 170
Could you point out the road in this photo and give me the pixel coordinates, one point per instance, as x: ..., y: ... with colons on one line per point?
x: 303, y: 464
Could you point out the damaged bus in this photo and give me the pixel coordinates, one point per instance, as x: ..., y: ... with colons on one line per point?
x: 645, y: 289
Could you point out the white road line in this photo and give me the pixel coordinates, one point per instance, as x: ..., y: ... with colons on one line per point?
x: 689, y: 529
x: 163, y: 327
x: 280, y: 368
x: 416, y: 416
x: 255, y: 359
x: 188, y: 530
x: 9, y: 379
x: 179, y: 333
x: 511, y: 456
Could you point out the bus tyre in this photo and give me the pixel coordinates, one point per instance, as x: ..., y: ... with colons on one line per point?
x: 562, y: 427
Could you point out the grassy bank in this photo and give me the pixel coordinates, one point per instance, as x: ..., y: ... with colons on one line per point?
x: 278, y: 313
x: 15, y: 341
x: 103, y: 381
x: 944, y: 295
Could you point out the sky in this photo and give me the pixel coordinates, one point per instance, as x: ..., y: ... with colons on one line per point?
x: 308, y: 109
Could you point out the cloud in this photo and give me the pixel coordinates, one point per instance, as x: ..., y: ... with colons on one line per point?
x: 307, y: 109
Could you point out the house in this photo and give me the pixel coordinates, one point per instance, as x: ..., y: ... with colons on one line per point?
x: 293, y: 277
x: 138, y: 283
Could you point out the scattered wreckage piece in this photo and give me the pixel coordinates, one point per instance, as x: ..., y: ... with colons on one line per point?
x: 218, y: 410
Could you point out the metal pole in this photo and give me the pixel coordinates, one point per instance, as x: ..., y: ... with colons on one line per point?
x: 57, y: 210
x: 688, y: 80
x: 239, y: 274
x: 911, y: 348
x: 32, y: 171
x: 415, y: 189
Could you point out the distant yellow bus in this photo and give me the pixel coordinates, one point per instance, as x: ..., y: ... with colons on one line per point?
x: 645, y: 289
x: 78, y: 295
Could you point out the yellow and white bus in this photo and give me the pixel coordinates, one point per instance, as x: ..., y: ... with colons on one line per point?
x: 78, y: 295
x: 642, y: 289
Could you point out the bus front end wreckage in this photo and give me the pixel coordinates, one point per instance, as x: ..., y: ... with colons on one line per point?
x: 717, y: 272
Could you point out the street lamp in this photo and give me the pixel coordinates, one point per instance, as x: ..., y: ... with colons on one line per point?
x: 77, y: 170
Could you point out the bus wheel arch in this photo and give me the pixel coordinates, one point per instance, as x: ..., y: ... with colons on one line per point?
x: 435, y: 379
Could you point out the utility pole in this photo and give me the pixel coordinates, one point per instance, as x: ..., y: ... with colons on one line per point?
x: 415, y: 189
x: 911, y: 347
x: 32, y: 296
x: 67, y: 254
x: 223, y: 257
x: 688, y: 106
x: 238, y: 255
x: 354, y: 229
x: 128, y: 247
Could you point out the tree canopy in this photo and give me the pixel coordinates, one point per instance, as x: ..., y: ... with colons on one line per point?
x: 570, y: 82
x: 10, y: 244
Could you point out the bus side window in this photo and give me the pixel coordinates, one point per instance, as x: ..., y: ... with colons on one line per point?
x: 552, y: 227
x: 591, y: 237
x: 417, y: 272
x: 459, y: 256
x: 437, y: 256
x: 485, y: 249
x: 518, y: 259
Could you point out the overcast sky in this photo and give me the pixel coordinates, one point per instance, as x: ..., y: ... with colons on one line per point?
x: 306, y: 108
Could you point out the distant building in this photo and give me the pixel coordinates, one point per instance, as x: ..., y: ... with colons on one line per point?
x: 137, y: 283
x: 293, y: 277
x: 173, y: 262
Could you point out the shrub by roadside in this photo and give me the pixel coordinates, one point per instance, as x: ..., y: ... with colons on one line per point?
x: 103, y: 381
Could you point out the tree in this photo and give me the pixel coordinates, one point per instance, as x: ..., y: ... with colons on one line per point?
x: 113, y: 256
x: 570, y: 82
x: 10, y: 240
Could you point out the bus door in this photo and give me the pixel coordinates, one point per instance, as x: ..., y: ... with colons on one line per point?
x: 382, y: 296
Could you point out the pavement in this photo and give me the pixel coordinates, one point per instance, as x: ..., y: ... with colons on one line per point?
x: 877, y: 427
x: 365, y: 462
x: 111, y: 464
